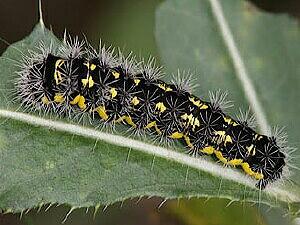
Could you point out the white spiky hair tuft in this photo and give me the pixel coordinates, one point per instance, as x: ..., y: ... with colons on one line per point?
x: 128, y: 63
x: 279, y: 134
x: 184, y: 81
x: 106, y: 55
x: 71, y: 47
x: 219, y: 100
x: 150, y: 70
x: 246, y: 118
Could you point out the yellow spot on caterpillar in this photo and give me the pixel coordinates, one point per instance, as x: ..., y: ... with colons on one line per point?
x: 135, y: 101
x: 190, y: 118
x: 230, y: 121
x: 153, y: 124
x: 88, y: 81
x: 89, y: 65
x: 221, y: 134
x: 176, y: 135
x: 258, y: 176
x: 223, y: 137
x: 80, y: 101
x: 250, y: 149
x: 184, y: 116
x: 116, y: 74
x: 196, y: 123
x: 228, y: 139
x: 137, y: 81
x: 160, y: 106
x: 150, y: 125
x: 188, y: 141
x: 93, y: 67
x: 249, y: 171
x: 203, y: 106
x: 102, y: 112
x: 220, y: 156
x: 45, y: 100
x: 208, y: 150
x: 84, y: 82
x: 239, y: 162
x: 227, y: 120
x: 57, y: 75
x: 196, y: 103
x: 59, y: 98
x: 127, y: 119
x: 235, y: 162
x: 113, y: 92
x: 193, y: 121
x: 91, y: 82
x: 247, y: 168
x: 165, y: 87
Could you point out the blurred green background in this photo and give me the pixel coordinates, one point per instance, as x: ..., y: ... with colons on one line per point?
x: 128, y: 24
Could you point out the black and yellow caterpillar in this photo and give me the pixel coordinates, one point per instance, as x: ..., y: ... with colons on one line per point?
x: 111, y: 90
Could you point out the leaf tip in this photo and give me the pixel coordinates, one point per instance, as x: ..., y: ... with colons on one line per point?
x: 41, y: 21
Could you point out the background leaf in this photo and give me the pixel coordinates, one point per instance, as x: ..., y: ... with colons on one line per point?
x: 42, y: 165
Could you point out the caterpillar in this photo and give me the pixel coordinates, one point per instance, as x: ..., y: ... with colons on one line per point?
x: 76, y: 79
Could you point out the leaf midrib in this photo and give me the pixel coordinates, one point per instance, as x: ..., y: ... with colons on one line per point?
x: 239, y: 66
x: 197, y: 163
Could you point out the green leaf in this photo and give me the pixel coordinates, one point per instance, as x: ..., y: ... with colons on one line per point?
x: 233, y: 46
x: 47, y: 160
